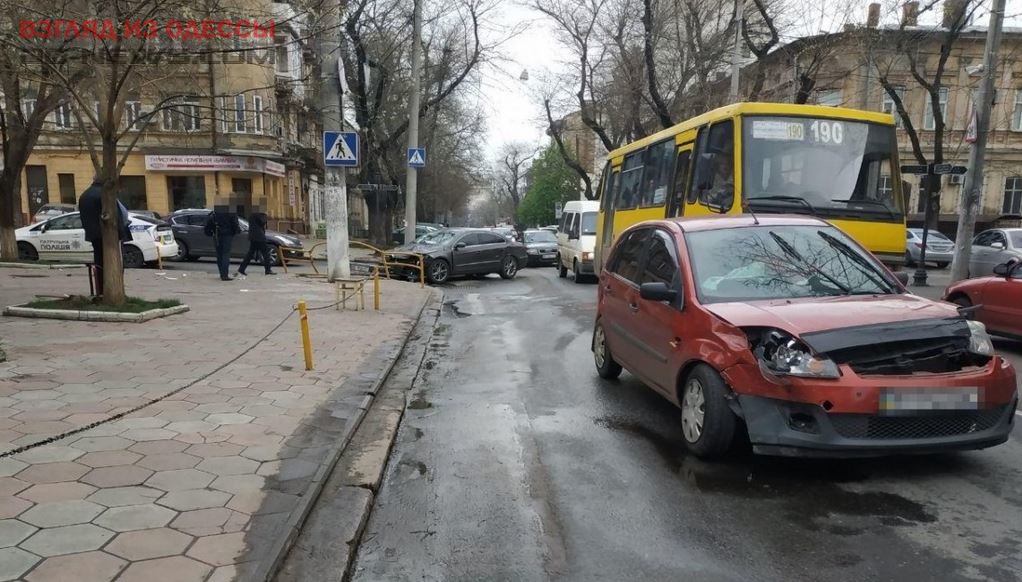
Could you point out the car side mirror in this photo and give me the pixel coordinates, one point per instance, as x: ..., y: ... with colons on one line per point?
x: 45, y: 226
x: 1004, y: 269
x: 997, y: 245
x: 902, y: 277
x: 460, y: 246
x: 657, y: 292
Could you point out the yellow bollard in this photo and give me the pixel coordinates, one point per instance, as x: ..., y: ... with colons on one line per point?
x: 159, y: 259
x: 306, y: 340
x: 422, y: 272
x: 376, y: 288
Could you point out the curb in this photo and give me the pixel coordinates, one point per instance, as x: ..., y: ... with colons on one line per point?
x: 40, y: 266
x: 268, y: 567
x: 105, y: 316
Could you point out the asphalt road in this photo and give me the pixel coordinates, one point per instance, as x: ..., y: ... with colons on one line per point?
x: 515, y: 462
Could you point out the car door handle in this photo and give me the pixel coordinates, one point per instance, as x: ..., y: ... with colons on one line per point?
x: 633, y: 306
x: 608, y: 289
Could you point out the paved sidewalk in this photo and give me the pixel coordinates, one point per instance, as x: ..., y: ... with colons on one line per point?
x: 195, y: 486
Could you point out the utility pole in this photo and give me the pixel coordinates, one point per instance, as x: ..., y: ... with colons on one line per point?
x: 335, y: 179
x: 736, y: 50
x: 413, y: 121
x: 972, y: 190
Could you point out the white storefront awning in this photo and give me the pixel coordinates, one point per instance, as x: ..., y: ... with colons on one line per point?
x: 214, y: 163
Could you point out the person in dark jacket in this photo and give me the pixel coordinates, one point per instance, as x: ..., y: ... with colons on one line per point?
x: 90, y: 207
x: 222, y: 225
x: 257, y: 242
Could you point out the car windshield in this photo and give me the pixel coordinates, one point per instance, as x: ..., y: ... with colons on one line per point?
x: 781, y: 262
x: 436, y: 237
x: 829, y: 166
x: 540, y: 236
x: 588, y: 223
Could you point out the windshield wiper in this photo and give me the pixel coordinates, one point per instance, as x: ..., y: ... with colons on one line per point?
x: 790, y: 251
x: 864, y: 265
x: 873, y: 202
x: 782, y: 198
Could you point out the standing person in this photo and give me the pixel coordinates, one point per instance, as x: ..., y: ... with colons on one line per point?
x: 222, y: 225
x: 90, y: 208
x: 257, y: 242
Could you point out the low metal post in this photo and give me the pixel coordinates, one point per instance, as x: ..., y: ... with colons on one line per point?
x: 376, y: 288
x: 306, y: 339
x: 159, y: 258
x: 422, y: 272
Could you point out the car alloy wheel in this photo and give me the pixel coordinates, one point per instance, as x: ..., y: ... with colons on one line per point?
x: 693, y: 410
x: 509, y: 267
x: 439, y: 271
x: 275, y: 256
x: 606, y: 367
x: 182, y: 251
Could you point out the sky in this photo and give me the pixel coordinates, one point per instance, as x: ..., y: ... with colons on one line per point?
x: 514, y: 110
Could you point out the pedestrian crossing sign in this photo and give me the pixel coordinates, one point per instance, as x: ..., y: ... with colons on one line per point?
x: 340, y: 148
x: 416, y: 157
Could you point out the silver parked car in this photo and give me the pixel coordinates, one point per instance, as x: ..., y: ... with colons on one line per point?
x: 993, y: 247
x: 939, y: 248
x: 48, y: 211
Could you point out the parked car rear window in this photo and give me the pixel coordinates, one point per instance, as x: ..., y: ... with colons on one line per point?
x: 540, y: 236
x: 588, y: 223
x: 781, y: 262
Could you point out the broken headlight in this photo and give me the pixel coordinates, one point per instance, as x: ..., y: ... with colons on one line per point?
x: 979, y: 340
x: 783, y: 354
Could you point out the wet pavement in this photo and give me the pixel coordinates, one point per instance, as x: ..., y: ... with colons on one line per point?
x: 515, y: 462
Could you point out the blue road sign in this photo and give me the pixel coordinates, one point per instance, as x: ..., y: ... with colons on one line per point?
x: 340, y: 148
x: 416, y: 157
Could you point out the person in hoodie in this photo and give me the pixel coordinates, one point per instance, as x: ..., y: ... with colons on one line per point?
x: 257, y: 245
x: 90, y: 208
x: 222, y: 225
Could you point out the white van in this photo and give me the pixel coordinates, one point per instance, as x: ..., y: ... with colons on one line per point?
x: 576, y: 239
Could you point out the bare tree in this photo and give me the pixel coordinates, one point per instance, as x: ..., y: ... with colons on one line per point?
x: 511, y: 169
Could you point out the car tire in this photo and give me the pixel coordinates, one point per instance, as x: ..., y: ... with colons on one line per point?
x: 27, y: 252
x: 562, y: 271
x: 438, y: 271
x: 941, y: 265
x: 508, y: 267
x: 182, y: 252
x: 606, y: 367
x: 275, y: 259
x: 132, y: 257
x: 578, y: 276
x: 708, y: 425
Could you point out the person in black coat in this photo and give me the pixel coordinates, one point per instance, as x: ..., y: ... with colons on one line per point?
x: 222, y: 225
x: 257, y: 242
x: 90, y: 208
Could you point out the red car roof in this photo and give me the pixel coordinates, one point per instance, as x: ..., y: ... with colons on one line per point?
x: 693, y: 224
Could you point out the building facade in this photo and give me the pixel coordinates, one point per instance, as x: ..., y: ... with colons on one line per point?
x: 844, y: 69
x: 584, y: 146
x: 234, y: 122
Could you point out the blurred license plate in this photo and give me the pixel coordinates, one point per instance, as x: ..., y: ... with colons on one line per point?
x: 911, y: 400
x: 548, y: 256
x: 167, y: 238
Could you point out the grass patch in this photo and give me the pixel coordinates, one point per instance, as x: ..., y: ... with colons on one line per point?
x: 83, y: 303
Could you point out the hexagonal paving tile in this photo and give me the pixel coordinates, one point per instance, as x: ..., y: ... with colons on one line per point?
x: 10, y: 466
x: 219, y: 550
x: 148, y: 434
x: 145, y: 422
x: 61, y: 513
x: 57, y: 492
x: 148, y: 544
x: 195, y: 499
x: 269, y: 453
x: 71, y: 539
x: 180, y: 479
x: 53, y: 472
x: 207, y: 450
x: 188, y: 426
x: 48, y: 427
x: 50, y: 454
x: 202, y: 518
x: 13, y: 507
x: 13, y: 531
x: 92, y: 444
x: 119, y: 476
x: 173, y: 569
x: 134, y: 517
x: 169, y: 461
x: 229, y: 466
x: 109, y: 458
x: 92, y: 566
x: 158, y: 447
x: 121, y: 496
x: 239, y: 483
x: 14, y: 562
x: 228, y: 418
x: 11, y: 485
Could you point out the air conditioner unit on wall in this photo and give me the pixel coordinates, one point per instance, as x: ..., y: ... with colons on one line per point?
x: 956, y: 179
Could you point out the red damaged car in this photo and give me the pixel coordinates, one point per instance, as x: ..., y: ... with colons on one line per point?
x: 995, y: 300
x: 786, y: 329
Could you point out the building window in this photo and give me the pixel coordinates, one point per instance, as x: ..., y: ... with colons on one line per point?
x: 182, y: 115
x: 67, y: 188
x: 257, y: 107
x: 1012, y: 195
x: 62, y: 116
x: 929, y: 123
x: 133, y: 115
x: 829, y: 97
x: 1016, y: 115
x: 28, y: 107
x: 239, y: 114
x: 888, y: 106
x: 133, y: 192
x: 225, y: 124
x: 280, y: 56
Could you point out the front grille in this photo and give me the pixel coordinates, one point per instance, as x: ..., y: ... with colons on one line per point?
x: 935, y: 355
x: 865, y: 426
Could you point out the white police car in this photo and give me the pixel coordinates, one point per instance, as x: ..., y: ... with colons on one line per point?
x: 62, y: 238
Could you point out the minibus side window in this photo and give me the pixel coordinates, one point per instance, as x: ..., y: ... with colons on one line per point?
x: 714, y: 169
x: 628, y: 195
x: 657, y: 174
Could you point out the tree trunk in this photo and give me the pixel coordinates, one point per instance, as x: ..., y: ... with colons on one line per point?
x: 113, y: 269
x: 10, y: 198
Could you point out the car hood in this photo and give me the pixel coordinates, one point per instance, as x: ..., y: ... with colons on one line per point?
x: 544, y: 244
x: 292, y: 241
x: 799, y: 316
x: 422, y: 249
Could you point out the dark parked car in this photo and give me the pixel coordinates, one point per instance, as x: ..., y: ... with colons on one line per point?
x: 398, y: 236
x: 192, y: 242
x: 541, y: 246
x: 454, y: 252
